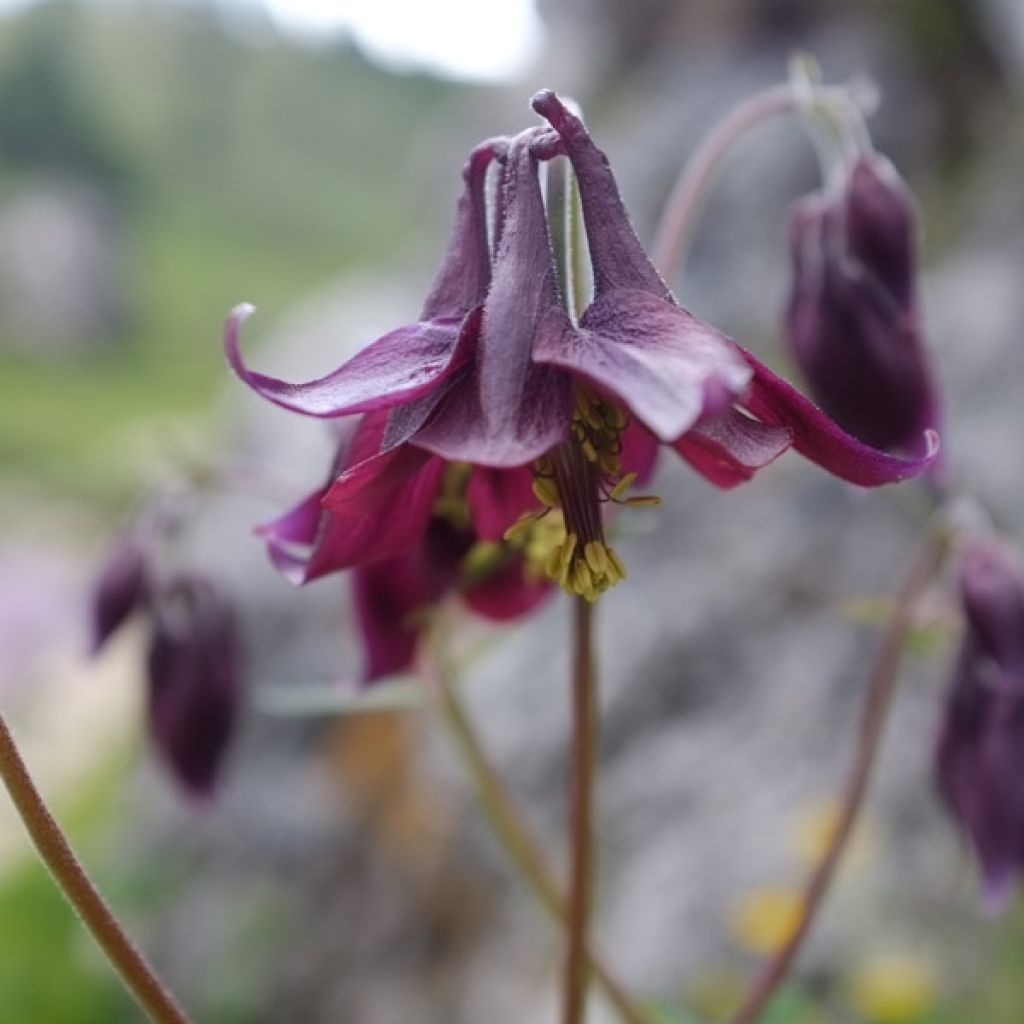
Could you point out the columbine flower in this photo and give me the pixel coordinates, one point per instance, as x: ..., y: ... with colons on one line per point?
x: 552, y: 422
x: 980, y: 753
x: 853, y: 320
x: 193, y: 664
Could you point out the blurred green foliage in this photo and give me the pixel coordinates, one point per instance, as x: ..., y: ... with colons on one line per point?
x: 250, y: 170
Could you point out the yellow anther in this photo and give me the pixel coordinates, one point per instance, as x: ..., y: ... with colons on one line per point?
x: 643, y: 501
x: 568, y: 550
x: 616, y: 563
x: 609, y: 463
x: 589, y: 450
x: 596, y: 558
x: 618, y: 418
x: 622, y: 486
x: 553, y: 563
x: 519, y: 532
x: 546, y: 491
x: 482, y: 558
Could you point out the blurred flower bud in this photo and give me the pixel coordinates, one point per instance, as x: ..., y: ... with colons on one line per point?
x: 980, y: 753
x: 194, y: 687
x: 121, y: 588
x: 853, y: 322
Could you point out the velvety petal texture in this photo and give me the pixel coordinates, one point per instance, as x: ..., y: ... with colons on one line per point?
x: 635, y: 343
x: 412, y: 360
x: 509, y: 410
x: 194, y: 686
x: 980, y: 751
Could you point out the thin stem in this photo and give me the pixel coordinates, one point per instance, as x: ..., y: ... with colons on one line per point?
x: 881, y: 686
x: 684, y: 202
x: 581, y: 787
x: 513, y: 833
x: 136, y: 974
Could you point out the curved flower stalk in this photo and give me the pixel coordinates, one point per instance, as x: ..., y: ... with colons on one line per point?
x: 549, y: 422
x: 853, y: 322
x: 980, y: 751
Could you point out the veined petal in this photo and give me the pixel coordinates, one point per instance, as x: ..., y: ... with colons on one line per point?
x: 497, y: 498
x: 731, y: 449
x: 820, y: 439
x: 506, y: 594
x: 670, y: 369
x: 618, y: 258
x: 402, y: 365
x: 465, y: 275
x: 509, y: 411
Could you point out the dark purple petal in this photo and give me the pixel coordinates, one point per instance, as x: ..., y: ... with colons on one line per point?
x: 731, y: 449
x: 992, y: 592
x: 820, y: 439
x: 121, y: 589
x: 194, y: 684
x: 508, y: 411
x: 639, y: 451
x: 465, y: 274
x: 860, y: 348
x: 388, y: 596
x: 666, y: 366
x: 497, y: 498
x: 881, y: 225
x: 289, y: 536
x: 506, y: 594
x: 402, y: 365
x: 617, y: 257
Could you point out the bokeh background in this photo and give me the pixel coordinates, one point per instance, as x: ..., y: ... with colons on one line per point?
x: 161, y: 161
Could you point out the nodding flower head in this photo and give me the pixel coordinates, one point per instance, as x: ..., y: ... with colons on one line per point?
x: 548, y: 422
x: 980, y: 752
x: 853, y: 320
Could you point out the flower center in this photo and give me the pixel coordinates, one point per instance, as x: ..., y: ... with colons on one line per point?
x: 566, y: 538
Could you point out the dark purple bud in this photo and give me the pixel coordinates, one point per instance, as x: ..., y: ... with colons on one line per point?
x: 194, y: 682
x: 881, y: 225
x: 980, y: 752
x: 852, y: 322
x: 121, y: 589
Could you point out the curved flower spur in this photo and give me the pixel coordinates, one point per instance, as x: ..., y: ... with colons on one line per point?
x: 546, y: 422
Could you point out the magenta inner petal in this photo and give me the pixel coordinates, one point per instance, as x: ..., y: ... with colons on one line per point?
x: 730, y: 450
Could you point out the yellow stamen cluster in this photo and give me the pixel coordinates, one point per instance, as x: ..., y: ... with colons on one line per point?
x: 565, y: 539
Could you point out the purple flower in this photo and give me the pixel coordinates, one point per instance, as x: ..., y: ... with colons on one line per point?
x: 547, y: 422
x: 980, y: 751
x: 853, y: 321
x: 121, y: 589
x: 193, y: 668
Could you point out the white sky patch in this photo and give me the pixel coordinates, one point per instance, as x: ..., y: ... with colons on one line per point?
x: 481, y: 39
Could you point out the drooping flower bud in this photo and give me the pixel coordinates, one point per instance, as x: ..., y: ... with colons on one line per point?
x: 980, y: 753
x: 194, y: 687
x: 853, y: 321
x: 121, y: 589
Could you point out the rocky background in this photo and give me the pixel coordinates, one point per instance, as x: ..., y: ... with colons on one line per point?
x: 343, y: 873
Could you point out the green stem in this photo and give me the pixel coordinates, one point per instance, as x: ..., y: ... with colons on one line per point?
x: 581, y: 787
x: 70, y: 876
x: 881, y: 687
x: 514, y: 835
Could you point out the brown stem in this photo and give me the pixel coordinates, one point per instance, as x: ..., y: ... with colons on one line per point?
x: 881, y: 686
x: 514, y: 835
x: 584, y: 730
x: 136, y: 974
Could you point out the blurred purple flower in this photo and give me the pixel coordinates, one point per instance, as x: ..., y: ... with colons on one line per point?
x: 980, y: 751
x: 193, y: 667
x: 853, y: 320
x: 121, y: 589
